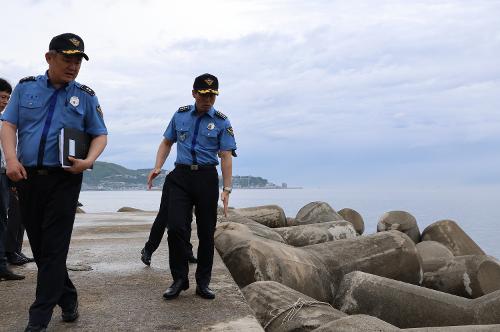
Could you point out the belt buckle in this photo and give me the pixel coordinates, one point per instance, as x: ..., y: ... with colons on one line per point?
x: 194, y: 167
x: 42, y: 172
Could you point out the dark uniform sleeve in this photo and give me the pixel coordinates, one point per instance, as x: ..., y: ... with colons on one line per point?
x: 11, y: 113
x: 94, y: 120
x: 227, y: 141
x: 170, y: 133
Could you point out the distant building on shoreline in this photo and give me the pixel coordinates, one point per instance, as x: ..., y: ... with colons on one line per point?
x: 253, y: 182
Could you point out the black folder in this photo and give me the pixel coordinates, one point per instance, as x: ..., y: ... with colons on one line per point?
x: 74, y: 143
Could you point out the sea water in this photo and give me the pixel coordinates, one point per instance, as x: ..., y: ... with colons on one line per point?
x: 477, y: 213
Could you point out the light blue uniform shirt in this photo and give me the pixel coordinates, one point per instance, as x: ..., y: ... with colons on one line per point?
x: 74, y: 106
x: 199, y: 138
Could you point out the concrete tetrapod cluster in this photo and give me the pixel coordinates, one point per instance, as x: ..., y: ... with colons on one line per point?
x: 312, y: 213
x: 452, y: 262
x: 297, y: 236
x: 315, y: 270
x: 405, y: 305
x: 252, y: 258
x: 281, y: 309
x: 320, y: 262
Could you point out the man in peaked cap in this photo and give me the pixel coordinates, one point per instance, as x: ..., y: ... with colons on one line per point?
x: 202, y: 134
x: 48, y: 194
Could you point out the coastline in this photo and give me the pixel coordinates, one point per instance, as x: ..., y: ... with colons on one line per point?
x: 476, y: 211
x: 159, y: 189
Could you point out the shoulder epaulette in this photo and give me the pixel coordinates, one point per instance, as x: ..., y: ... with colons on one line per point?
x: 184, y: 108
x: 27, y: 79
x: 87, y: 89
x: 221, y: 115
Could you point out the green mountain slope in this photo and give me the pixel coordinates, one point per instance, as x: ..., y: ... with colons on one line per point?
x: 110, y: 176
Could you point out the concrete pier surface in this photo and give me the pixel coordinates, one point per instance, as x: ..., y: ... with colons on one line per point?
x: 117, y: 292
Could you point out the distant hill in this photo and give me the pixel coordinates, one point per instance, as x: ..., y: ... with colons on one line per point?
x: 110, y: 176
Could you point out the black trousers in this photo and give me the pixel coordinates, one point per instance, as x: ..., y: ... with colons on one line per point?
x: 187, y: 188
x: 3, y: 260
x: 160, y: 223
x: 15, y: 228
x: 3, y: 226
x: 48, y: 204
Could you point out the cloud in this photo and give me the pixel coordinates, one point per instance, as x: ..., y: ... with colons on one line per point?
x: 310, y: 87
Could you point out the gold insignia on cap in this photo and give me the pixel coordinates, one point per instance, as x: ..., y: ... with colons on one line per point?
x: 215, y: 92
x: 75, y: 41
x: 71, y: 52
x: 209, y: 81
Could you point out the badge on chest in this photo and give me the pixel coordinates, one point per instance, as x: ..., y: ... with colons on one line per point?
x: 75, y: 101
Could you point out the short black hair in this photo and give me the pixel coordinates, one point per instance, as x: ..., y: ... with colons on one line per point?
x: 5, y: 86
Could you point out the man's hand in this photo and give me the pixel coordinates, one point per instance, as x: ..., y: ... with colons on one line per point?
x: 153, y: 174
x: 16, y: 171
x: 224, y: 197
x: 78, y: 165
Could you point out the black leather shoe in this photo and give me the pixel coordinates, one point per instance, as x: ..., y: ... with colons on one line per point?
x: 205, y: 292
x: 146, y: 256
x: 175, y: 289
x: 28, y: 259
x: 9, y: 275
x: 71, y: 314
x: 192, y: 259
x: 15, y: 259
x: 35, y: 328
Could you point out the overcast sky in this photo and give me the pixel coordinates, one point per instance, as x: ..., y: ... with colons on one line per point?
x: 319, y: 93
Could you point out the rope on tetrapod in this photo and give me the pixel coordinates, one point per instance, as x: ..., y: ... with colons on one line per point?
x: 292, y: 310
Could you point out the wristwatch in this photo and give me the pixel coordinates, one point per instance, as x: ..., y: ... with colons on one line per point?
x: 227, y: 189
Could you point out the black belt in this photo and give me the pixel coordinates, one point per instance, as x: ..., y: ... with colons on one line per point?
x: 194, y: 167
x: 3, y: 170
x: 43, y: 170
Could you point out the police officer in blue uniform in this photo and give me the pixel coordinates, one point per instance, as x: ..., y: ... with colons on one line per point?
x: 202, y: 135
x: 48, y: 194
